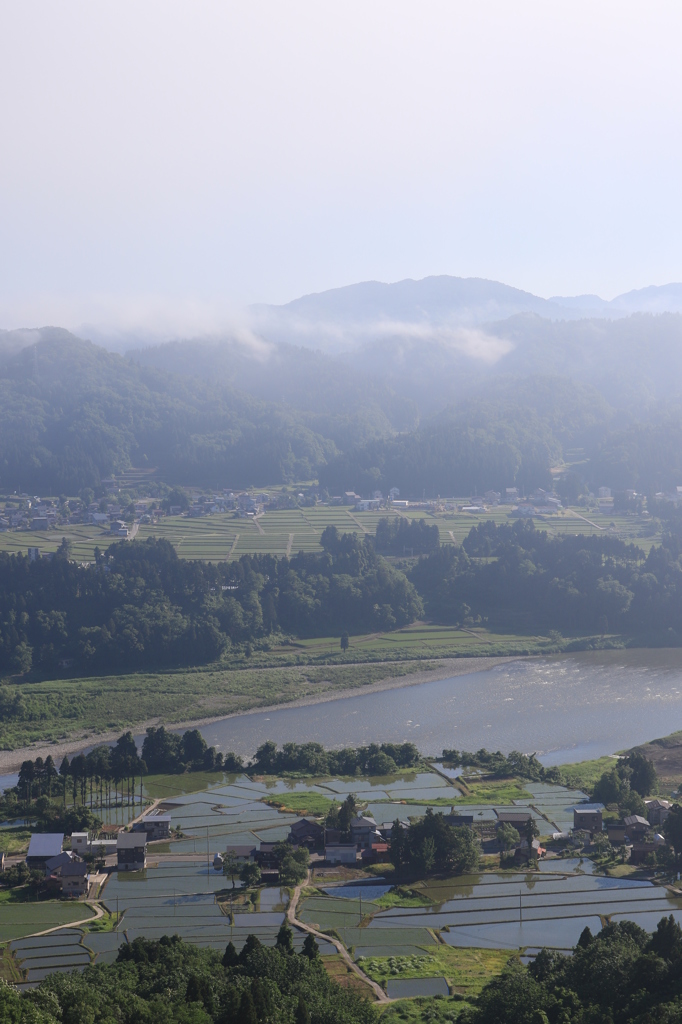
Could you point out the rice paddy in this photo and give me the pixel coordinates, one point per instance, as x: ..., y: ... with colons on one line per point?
x: 442, y: 935
x: 224, y: 536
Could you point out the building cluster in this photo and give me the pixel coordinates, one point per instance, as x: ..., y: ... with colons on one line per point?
x: 638, y: 836
x: 68, y: 871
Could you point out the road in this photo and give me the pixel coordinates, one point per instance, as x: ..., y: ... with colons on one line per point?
x: 291, y: 917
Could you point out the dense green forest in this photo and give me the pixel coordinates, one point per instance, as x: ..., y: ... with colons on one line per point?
x: 520, y: 577
x: 170, y: 980
x: 140, y: 606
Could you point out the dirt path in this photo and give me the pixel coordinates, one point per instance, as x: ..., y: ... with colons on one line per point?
x: 291, y: 917
x: 72, y: 924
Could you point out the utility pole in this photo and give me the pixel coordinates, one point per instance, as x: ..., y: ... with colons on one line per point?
x: 520, y: 910
x: 208, y: 865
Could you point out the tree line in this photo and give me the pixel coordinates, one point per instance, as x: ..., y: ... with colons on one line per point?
x: 140, y: 606
x: 171, y: 980
x: 497, y: 764
x: 519, y: 577
x: 313, y: 759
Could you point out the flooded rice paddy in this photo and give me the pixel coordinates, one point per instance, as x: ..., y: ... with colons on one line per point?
x: 180, y: 892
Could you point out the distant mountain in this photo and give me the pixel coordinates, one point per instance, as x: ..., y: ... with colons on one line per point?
x: 344, y: 318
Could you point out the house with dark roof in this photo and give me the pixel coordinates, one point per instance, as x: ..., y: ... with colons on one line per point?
x: 306, y: 833
x: 155, y: 826
x: 588, y: 817
x: 74, y: 878
x: 131, y: 851
x: 636, y: 826
x: 42, y: 847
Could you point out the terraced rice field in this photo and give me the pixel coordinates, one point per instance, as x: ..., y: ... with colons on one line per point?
x: 287, y: 531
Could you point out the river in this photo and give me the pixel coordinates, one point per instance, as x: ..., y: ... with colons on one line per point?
x: 566, y: 708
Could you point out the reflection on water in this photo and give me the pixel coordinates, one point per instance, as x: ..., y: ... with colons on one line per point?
x: 567, y: 708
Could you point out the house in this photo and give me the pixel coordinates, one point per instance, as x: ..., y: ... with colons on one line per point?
x: 242, y: 853
x: 363, y: 830
x: 33, y: 554
x: 511, y: 495
x: 39, y: 523
x: 74, y: 878
x: 341, y: 853
x: 657, y: 811
x: 266, y: 858
x: 131, y: 851
x: 636, y: 826
x: 641, y: 850
x: 55, y: 864
x: 43, y: 847
x: 156, y: 826
x: 588, y: 817
x: 306, y: 833
x: 80, y: 843
x: 118, y: 528
x: 350, y: 497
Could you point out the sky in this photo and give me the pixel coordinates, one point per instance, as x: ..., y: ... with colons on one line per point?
x: 163, y: 164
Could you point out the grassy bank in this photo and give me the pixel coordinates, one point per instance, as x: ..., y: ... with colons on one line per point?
x: 58, y: 709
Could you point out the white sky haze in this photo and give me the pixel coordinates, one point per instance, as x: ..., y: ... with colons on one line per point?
x: 163, y: 163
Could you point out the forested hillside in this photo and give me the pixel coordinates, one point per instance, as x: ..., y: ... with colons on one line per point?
x: 72, y: 413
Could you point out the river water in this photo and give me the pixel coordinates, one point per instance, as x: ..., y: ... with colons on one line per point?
x: 566, y: 708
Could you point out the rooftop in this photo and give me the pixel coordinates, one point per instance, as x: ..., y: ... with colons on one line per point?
x: 130, y: 840
x: 46, y: 844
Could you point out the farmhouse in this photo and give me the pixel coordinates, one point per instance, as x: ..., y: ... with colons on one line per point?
x: 657, y: 810
x: 636, y: 826
x: 363, y: 831
x: 131, y: 851
x: 241, y: 852
x: 588, y: 817
x: 516, y: 818
x: 306, y: 833
x: 74, y: 878
x: 42, y: 848
x: 155, y: 826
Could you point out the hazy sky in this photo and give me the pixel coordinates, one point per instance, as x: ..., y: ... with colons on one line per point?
x: 164, y: 161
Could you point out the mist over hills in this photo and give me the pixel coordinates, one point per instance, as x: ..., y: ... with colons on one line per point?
x: 432, y: 400
x: 343, y: 317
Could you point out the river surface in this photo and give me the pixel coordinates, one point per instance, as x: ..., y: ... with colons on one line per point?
x: 566, y: 708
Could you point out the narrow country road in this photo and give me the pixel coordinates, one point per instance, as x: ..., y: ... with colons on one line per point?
x: 291, y: 917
